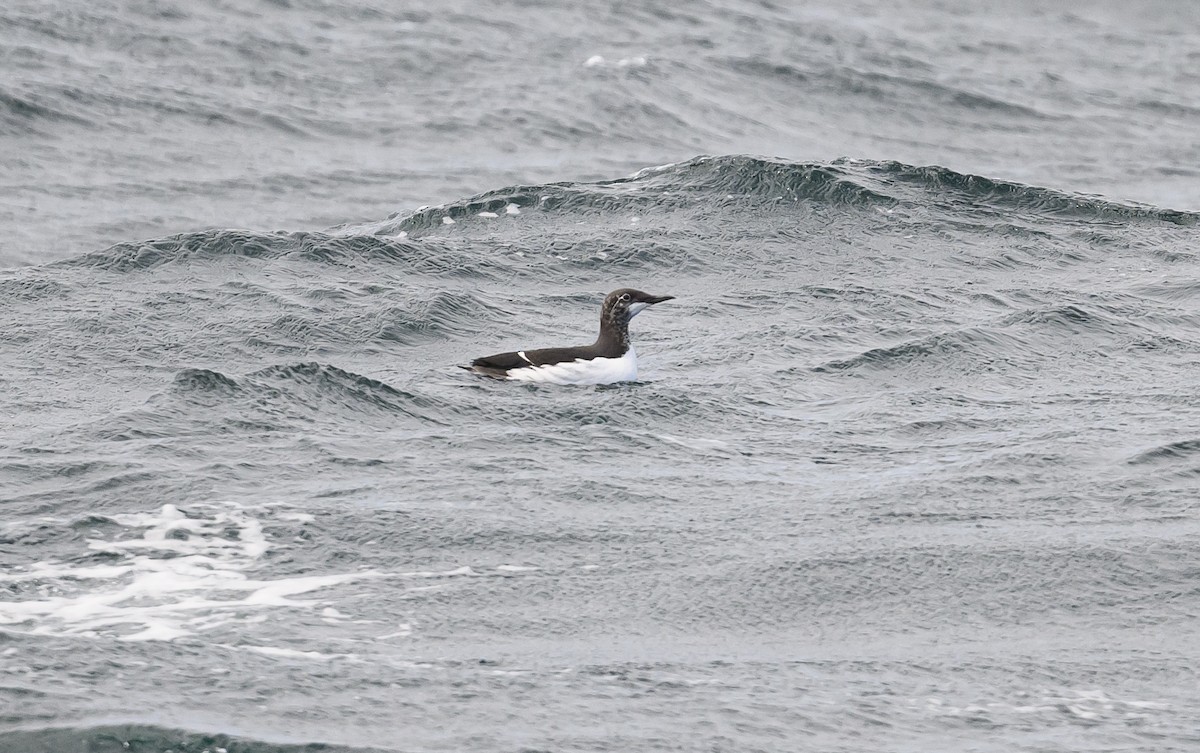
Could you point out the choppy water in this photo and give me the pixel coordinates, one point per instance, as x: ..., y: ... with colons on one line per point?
x: 913, y: 465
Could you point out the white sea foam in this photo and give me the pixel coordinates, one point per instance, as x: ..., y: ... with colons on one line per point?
x: 488, y: 215
x: 695, y: 443
x: 291, y: 653
x: 178, y: 573
x: 465, y: 570
x: 1086, y: 705
x: 598, y: 61
x: 182, y: 574
x: 299, y: 517
x: 512, y: 209
x: 404, y: 630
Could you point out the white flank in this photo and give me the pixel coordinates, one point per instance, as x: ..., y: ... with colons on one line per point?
x: 579, y: 371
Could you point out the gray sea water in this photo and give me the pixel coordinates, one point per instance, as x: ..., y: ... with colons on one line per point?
x: 913, y: 464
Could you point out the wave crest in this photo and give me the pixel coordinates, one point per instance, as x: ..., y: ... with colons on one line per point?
x: 758, y: 181
x: 431, y: 256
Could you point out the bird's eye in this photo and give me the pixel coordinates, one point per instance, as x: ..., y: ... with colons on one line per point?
x: 624, y: 298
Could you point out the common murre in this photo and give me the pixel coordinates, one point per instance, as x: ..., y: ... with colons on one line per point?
x: 610, y: 359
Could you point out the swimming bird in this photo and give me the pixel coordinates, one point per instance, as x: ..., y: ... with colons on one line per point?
x: 609, y: 359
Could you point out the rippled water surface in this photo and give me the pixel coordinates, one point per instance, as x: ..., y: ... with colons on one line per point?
x: 912, y: 464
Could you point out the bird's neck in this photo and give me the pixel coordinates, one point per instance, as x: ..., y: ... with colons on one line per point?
x: 614, y: 335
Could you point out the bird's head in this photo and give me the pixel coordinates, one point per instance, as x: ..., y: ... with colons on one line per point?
x: 622, y: 305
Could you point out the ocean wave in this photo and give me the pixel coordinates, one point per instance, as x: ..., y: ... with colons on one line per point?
x: 941, y: 347
x: 700, y: 181
x: 1012, y: 339
x: 523, y: 219
x: 388, y: 322
x: 1185, y: 449
x: 748, y: 181
x: 26, y: 289
x: 204, y: 381
x: 319, y: 387
x: 311, y: 387
x: 25, y: 114
x: 440, y: 316
x: 891, y: 86
x: 276, y: 398
x: 882, y: 86
x: 140, y: 738
x: 938, y: 185
x: 341, y: 250
x: 1069, y: 319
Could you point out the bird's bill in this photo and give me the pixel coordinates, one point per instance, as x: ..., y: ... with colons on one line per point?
x: 637, y: 307
x: 650, y: 300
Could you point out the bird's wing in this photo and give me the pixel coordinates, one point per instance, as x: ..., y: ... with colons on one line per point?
x: 500, y: 361
x: 525, y: 358
x: 543, y: 356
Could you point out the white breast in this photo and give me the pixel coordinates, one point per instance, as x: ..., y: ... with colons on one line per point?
x: 595, y: 371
